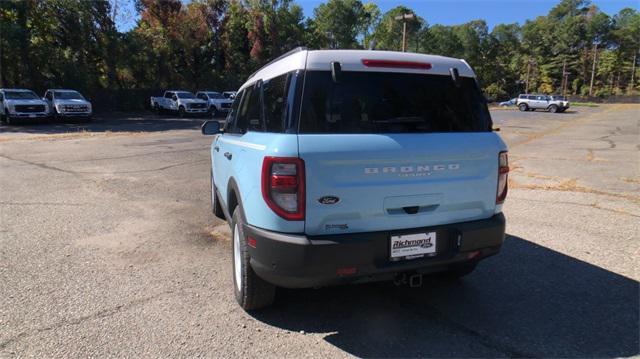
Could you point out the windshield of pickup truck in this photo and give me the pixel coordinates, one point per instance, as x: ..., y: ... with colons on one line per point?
x: 185, y: 95
x: 379, y: 102
x: 215, y: 95
x: 20, y: 95
x: 68, y: 95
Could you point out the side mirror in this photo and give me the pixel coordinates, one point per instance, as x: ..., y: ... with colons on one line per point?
x: 210, y: 128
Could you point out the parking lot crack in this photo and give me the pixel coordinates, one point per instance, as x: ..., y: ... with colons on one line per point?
x: 42, y: 204
x: 77, y: 321
x: 137, y: 155
x: 40, y: 165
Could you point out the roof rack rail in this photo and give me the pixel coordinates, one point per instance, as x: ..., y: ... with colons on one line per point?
x: 291, y: 52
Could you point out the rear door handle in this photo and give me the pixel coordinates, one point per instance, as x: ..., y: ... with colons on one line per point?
x: 228, y: 155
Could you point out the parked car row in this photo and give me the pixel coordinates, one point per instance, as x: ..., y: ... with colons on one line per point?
x: 21, y: 104
x: 532, y: 102
x: 202, y: 103
x: 551, y: 104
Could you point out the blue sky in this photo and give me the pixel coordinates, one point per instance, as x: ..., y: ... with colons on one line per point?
x: 452, y: 12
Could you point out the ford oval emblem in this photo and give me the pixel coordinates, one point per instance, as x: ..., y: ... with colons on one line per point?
x: 329, y: 200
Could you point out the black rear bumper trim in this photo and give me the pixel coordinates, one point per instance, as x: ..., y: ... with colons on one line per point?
x: 299, y: 261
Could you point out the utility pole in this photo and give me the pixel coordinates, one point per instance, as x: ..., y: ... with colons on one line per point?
x: 633, y: 70
x: 526, y: 90
x: 593, y: 67
x: 404, y: 18
x: 565, y: 78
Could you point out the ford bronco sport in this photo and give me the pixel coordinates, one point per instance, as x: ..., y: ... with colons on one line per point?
x: 343, y: 166
x: 551, y: 104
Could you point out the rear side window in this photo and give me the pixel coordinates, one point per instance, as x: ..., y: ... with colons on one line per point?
x: 232, y: 117
x: 274, y: 96
x: 378, y: 102
x: 249, y: 116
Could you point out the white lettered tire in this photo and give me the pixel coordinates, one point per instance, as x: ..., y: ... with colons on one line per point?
x: 251, y: 291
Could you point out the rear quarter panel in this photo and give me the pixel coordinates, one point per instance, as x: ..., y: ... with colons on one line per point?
x: 248, y: 152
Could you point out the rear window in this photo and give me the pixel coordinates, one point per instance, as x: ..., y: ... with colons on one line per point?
x: 378, y: 102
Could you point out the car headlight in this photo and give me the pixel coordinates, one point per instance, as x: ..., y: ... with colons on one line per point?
x: 58, y: 108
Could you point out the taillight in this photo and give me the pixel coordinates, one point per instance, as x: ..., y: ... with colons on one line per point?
x: 397, y: 64
x: 283, y: 186
x: 503, y: 173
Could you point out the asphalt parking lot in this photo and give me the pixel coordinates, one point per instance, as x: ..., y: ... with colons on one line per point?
x: 108, y: 248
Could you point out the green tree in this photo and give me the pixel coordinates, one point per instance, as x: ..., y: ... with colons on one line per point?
x: 336, y: 24
x: 388, y: 33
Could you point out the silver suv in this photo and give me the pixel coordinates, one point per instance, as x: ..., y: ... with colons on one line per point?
x: 552, y: 104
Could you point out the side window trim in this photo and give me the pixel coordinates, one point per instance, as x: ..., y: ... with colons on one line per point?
x: 231, y: 129
x: 263, y: 120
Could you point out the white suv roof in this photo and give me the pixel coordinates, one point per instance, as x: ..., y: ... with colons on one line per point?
x: 352, y: 60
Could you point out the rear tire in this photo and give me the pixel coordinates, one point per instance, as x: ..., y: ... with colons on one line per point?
x: 523, y: 107
x: 181, y: 111
x: 216, y: 208
x: 553, y: 108
x: 251, y: 291
x: 460, y: 270
x: 214, y: 112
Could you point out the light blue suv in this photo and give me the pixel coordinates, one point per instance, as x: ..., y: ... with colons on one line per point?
x: 343, y: 166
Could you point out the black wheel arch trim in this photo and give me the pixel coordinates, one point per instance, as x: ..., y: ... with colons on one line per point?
x: 232, y: 188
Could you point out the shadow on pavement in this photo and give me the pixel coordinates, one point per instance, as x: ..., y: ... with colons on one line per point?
x: 526, y: 301
x: 116, y: 122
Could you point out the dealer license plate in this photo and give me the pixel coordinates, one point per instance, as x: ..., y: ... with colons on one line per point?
x: 409, y: 246
x: 32, y: 115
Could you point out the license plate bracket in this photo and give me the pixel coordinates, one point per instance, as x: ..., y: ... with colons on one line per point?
x: 412, y: 246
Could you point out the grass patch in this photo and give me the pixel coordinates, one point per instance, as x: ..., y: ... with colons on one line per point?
x: 584, y: 104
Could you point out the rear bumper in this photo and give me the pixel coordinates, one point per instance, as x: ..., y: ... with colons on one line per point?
x: 299, y: 261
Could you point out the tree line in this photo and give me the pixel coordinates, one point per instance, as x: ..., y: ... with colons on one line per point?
x: 576, y: 49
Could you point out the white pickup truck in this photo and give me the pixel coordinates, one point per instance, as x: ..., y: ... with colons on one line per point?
x: 68, y: 104
x: 218, y: 104
x: 181, y: 102
x: 21, y: 104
